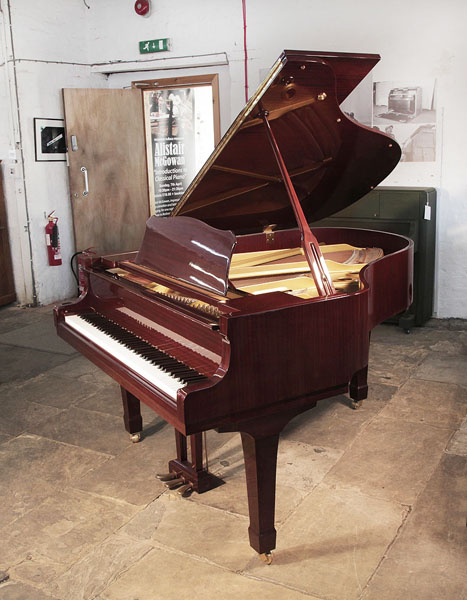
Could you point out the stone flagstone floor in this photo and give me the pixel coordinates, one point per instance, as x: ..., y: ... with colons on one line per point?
x: 371, y: 504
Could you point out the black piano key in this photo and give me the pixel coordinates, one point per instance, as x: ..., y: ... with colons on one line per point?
x: 154, y: 355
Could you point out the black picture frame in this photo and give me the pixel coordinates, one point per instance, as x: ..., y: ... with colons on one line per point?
x: 49, y: 140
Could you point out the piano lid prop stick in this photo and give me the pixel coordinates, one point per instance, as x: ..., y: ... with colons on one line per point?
x: 310, y: 243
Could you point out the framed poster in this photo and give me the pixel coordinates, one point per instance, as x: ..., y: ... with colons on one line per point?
x: 49, y: 139
x: 182, y: 128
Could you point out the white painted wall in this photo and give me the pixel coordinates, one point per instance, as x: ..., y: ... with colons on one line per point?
x: 50, y: 53
x: 47, y: 182
x: 421, y: 39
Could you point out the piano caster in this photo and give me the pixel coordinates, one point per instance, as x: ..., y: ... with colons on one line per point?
x: 135, y: 437
x: 266, y: 558
x: 166, y: 476
x: 355, y: 405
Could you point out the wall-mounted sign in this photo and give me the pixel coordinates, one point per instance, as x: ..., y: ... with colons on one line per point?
x: 160, y: 45
x: 172, y: 118
x: 182, y: 126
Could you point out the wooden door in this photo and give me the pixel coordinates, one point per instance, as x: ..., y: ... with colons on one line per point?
x: 7, y: 286
x: 107, y: 168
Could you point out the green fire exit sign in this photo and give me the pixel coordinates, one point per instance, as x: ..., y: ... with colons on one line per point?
x: 160, y: 45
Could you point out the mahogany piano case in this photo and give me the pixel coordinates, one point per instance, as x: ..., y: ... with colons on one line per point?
x: 233, y: 314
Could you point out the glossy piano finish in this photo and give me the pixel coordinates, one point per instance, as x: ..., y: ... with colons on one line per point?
x: 206, y: 252
x: 270, y: 357
x: 299, y: 347
x: 332, y: 160
x: 118, y: 302
x: 265, y: 358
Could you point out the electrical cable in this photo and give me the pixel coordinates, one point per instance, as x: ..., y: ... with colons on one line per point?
x: 72, y: 268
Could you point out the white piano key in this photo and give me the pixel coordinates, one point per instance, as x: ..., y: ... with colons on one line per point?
x: 153, y: 374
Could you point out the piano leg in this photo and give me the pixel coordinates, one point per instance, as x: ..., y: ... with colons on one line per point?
x: 196, y: 444
x: 180, y: 444
x: 260, y: 454
x: 260, y: 440
x: 358, y: 389
x: 132, y: 415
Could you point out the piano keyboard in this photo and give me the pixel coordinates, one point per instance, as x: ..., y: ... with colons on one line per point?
x: 160, y: 369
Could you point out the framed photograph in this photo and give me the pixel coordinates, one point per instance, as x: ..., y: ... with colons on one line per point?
x: 49, y: 139
x: 406, y: 111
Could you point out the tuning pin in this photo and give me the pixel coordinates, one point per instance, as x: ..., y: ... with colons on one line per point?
x: 184, y: 489
x: 174, y: 483
x: 166, y: 476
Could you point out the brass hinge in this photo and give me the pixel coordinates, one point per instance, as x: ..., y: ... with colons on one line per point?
x: 268, y: 230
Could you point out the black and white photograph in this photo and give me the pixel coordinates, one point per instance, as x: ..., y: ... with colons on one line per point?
x: 49, y: 135
x: 407, y: 113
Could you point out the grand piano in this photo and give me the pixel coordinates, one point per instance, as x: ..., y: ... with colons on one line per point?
x: 234, y: 315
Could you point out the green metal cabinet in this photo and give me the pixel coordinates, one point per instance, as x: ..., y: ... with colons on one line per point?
x: 400, y: 210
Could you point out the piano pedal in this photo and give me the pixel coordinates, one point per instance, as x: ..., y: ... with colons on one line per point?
x: 166, y: 476
x: 135, y: 437
x: 188, y: 487
x: 175, y: 483
x: 266, y: 558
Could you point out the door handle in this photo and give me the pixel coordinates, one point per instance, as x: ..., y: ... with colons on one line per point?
x: 86, y: 183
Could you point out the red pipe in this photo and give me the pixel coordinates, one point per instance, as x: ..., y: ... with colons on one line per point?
x: 245, y: 50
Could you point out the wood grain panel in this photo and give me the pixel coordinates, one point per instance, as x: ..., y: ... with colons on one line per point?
x: 108, y: 125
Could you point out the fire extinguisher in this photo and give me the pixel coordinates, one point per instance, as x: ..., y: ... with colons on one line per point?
x: 52, y: 240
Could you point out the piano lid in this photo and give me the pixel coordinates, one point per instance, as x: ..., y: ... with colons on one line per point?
x: 331, y: 159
